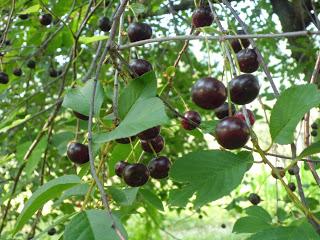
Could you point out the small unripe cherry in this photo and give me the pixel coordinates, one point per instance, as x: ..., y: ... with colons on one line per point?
x: 281, y: 172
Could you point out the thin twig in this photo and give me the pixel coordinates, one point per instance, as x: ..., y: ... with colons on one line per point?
x: 4, y: 34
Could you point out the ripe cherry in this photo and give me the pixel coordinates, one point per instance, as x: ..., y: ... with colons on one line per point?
x: 52, y: 231
x: 254, y: 198
x: 81, y: 116
x: 232, y: 133
x: 4, y: 78
x: 45, y: 19
x: 314, y: 126
x: 17, y: 72
x: 244, y: 89
x: 155, y: 144
x: 202, y: 17
x: 104, y: 24
x: 53, y: 73
x: 31, y: 64
x: 281, y: 172
x: 248, y: 60
x: 23, y: 16
x: 119, y: 167
x: 209, y: 93
x: 126, y: 140
x: 223, y: 111
x: 139, y: 31
x: 293, y: 170
x: 191, y: 121
x: 135, y: 175
x: 292, y: 186
x: 159, y: 167
x: 238, y: 44
x: 140, y: 66
x: 314, y: 133
x: 241, y: 116
x: 78, y: 152
x: 149, y: 133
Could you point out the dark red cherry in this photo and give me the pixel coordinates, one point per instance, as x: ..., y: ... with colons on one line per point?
x: 191, y: 121
x: 45, y: 19
x: 248, y: 60
x: 140, y: 66
x: 314, y: 126
x: 292, y: 186
x: 17, y: 72
x: 159, y: 167
x: 53, y: 73
x: 104, y: 24
x: 238, y: 44
x: 149, y: 133
x: 81, y: 116
x: 244, y: 89
x: 7, y: 42
x: 4, y: 78
x: 241, y: 116
x: 281, y: 172
x: 223, y: 111
x: 23, y: 16
x: 155, y: 144
x: 139, y: 31
x: 31, y: 64
x: 208, y: 93
x: 232, y: 133
x: 202, y: 17
x: 78, y: 152
x: 52, y: 231
x: 293, y: 170
x: 126, y: 140
x: 135, y: 175
x: 119, y: 167
x: 254, y: 198
x: 314, y: 133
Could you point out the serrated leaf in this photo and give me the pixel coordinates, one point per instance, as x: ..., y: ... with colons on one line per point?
x: 314, y: 148
x: 78, y: 190
x: 43, y: 194
x: 259, y: 212
x: 137, y: 8
x: 35, y: 157
x: 290, y: 107
x: 93, y: 225
x: 153, y: 199
x: 124, y: 197
x: 32, y: 9
x: 144, y: 114
x: 78, y: 99
x: 92, y: 39
x: 180, y: 197
x: 250, y: 224
x: 212, y: 173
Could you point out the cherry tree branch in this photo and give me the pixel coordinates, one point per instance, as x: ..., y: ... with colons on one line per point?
x: 4, y: 34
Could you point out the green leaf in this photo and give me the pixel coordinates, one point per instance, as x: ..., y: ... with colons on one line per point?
x: 142, y: 87
x: 290, y: 107
x: 144, y: 114
x: 212, y: 173
x: 77, y: 190
x: 124, y: 197
x: 153, y: 199
x: 32, y: 9
x: 256, y: 211
x: 35, y: 157
x: 93, y: 225
x: 43, y: 194
x: 137, y: 8
x: 87, y: 40
x: 180, y: 197
x: 314, y: 148
x: 250, y: 224
x: 78, y: 99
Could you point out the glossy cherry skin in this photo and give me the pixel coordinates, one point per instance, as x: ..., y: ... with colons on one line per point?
x: 232, y: 133
x: 292, y: 186
x: 157, y: 144
x: 135, y: 175
x: 31, y: 64
x: 244, y: 89
x: 241, y: 116
x: 239, y: 44
x: 314, y: 133
x: 254, y: 198
x: 53, y: 72
x: 202, y: 17
x: 17, y: 72
x: 139, y: 31
x: 293, y: 170
x: 223, y: 111
x: 159, y: 167
x: 78, y: 152
x: 140, y: 66
x: 126, y: 140
x: 119, y: 167
x: 149, y: 133
x: 248, y: 60
x: 81, y: 116
x: 281, y: 172
x: 23, y: 16
x: 208, y: 93
x: 104, y: 24
x: 4, y: 78
x: 45, y: 19
x: 191, y: 121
